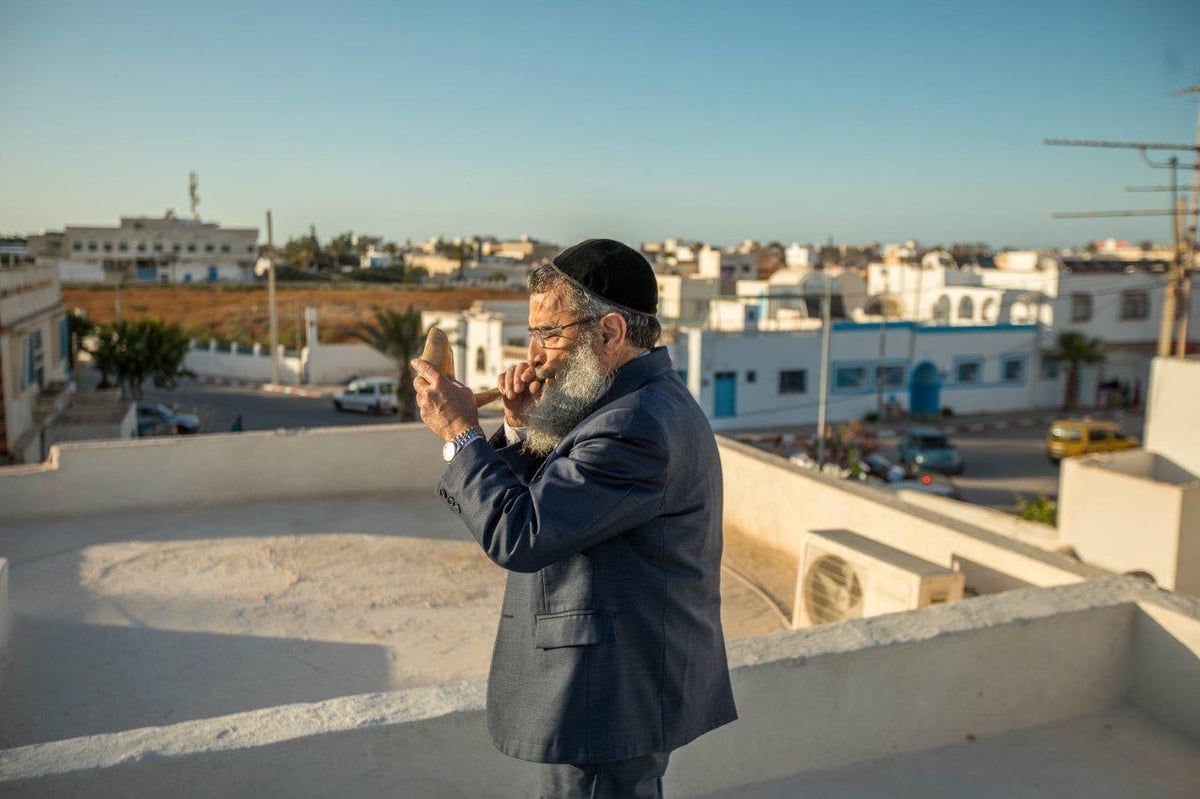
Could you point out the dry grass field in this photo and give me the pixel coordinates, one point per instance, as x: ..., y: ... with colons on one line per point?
x: 239, y: 313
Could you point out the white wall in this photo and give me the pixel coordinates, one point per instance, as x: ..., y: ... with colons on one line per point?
x: 1171, y: 411
x: 1128, y: 511
x: 328, y: 364
x: 773, y: 502
x: 920, y: 681
x: 94, y: 477
x: 204, y: 359
x: 5, y: 613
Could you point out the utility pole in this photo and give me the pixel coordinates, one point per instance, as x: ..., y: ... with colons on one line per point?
x: 274, y: 315
x: 824, y: 397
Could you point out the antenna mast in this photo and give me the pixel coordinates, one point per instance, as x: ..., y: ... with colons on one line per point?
x: 194, y: 194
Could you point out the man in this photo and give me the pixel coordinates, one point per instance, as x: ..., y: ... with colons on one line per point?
x: 602, y: 497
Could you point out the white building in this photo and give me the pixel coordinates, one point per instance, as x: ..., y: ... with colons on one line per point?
x: 34, y: 357
x: 151, y: 250
x: 802, y: 256
x: 728, y: 266
x: 768, y: 379
x: 685, y: 300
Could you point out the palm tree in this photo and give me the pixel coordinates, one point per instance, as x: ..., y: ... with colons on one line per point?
x: 398, y: 336
x: 1075, y: 350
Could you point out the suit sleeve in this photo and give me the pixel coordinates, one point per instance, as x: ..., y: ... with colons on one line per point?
x: 608, y: 480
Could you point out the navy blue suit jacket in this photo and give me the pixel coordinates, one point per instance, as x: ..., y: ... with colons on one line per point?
x: 610, y: 643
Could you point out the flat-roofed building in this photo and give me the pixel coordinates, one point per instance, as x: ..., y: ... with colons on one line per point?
x: 34, y: 357
x: 163, y: 249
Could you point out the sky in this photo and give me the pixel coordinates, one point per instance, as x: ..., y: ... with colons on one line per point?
x: 775, y: 121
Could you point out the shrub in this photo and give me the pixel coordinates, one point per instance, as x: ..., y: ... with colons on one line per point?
x: 1043, y: 509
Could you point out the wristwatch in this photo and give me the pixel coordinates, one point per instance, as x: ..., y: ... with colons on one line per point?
x: 455, y: 445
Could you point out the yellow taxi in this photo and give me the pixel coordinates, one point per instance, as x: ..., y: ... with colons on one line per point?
x: 1068, y: 437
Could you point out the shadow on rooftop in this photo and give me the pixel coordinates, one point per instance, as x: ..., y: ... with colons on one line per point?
x: 72, y: 679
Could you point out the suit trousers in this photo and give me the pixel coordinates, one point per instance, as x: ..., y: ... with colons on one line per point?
x: 635, y: 778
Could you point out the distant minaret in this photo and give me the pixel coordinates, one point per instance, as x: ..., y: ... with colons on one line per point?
x: 194, y: 193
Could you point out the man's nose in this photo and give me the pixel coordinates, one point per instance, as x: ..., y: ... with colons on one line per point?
x: 537, y: 355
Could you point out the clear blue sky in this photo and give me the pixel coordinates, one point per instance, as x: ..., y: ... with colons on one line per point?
x: 719, y: 121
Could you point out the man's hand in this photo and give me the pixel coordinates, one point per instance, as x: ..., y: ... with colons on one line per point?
x: 447, y: 406
x: 519, y: 386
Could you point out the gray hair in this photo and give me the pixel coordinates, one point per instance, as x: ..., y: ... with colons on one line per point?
x: 642, y: 330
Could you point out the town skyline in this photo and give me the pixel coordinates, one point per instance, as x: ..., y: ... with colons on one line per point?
x: 771, y: 124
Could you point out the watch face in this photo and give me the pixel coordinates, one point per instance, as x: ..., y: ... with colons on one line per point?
x: 448, y: 450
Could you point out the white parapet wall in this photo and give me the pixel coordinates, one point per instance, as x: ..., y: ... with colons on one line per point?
x: 757, y: 506
x: 1133, y: 511
x: 808, y: 701
x: 1171, y: 429
x: 99, y: 476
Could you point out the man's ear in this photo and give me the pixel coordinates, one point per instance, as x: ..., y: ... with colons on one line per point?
x: 612, y: 331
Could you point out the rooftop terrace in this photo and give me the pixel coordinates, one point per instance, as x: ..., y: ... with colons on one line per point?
x: 295, y: 614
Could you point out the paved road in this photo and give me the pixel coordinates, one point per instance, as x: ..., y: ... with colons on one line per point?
x: 1006, y: 463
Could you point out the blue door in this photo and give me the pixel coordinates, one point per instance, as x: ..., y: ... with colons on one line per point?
x: 725, y: 394
x: 212, y: 274
x: 925, y: 390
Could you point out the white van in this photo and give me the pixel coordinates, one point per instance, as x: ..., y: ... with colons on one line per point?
x: 369, y: 395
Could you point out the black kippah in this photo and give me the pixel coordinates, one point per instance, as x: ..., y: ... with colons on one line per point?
x: 612, y: 271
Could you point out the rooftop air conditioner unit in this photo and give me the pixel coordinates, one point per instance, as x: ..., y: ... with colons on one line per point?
x: 845, y: 576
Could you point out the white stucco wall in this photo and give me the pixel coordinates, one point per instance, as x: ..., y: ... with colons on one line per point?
x: 774, y: 502
x: 808, y: 700
x: 1171, y: 429
x: 1125, y: 511
x: 92, y: 477
x: 336, y: 363
x: 205, y: 360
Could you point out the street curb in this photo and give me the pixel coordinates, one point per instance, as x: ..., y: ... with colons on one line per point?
x: 270, y: 388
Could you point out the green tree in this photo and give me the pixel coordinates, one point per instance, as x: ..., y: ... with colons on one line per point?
x: 1042, y: 509
x: 1076, y: 351
x: 79, y: 328
x: 133, y: 352
x: 399, y: 337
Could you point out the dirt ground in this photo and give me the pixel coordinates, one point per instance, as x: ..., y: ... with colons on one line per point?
x: 241, y: 314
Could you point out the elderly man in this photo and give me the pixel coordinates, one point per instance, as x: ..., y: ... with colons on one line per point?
x: 601, y: 496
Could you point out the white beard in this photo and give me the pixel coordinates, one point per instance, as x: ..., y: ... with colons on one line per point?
x: 568, y: 398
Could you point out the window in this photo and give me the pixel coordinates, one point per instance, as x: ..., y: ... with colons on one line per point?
x: 968, y: 372
x: 191, y: 248
x: 751, y: 376
x: 1049, y: 368
x: 77, y: 246
x: 108, y: 246
x: 208, y: 248
x: 941, y: 310
x: 64, y: 339
x: 91, y: 246
x: 33, y: 365
x: 1097, y: 434
x: 848, y: 378
x: 1135, y: 305
x: 1081, y: 307
x: 158, y: 246
x: 480, y: 360
x: 966, y: 308
x: 224, y: 248
x: 141, y: 246
x: 122, y: 246
x: 889, y: 376
x: 793, y: 381
x: 176, y: 248
x: 989, y: 310
x: 250, y: 248
x: 1012, y: 369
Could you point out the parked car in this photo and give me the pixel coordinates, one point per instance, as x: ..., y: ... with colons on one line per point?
x: 156, y: 419
x: 1068, y: 437
x: 929, y: 449
x: 927, y: 484
x: 369, y: 395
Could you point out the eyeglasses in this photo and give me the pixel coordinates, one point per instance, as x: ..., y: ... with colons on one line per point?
x: 542, y: 335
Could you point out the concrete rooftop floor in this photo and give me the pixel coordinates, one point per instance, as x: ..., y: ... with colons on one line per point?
x: 142, y: 618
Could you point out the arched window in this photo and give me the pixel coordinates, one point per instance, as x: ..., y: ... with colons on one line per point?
x: 941, y: 310
x: 966, y: 309
x: 988, y: 314
x: 481, y: 360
